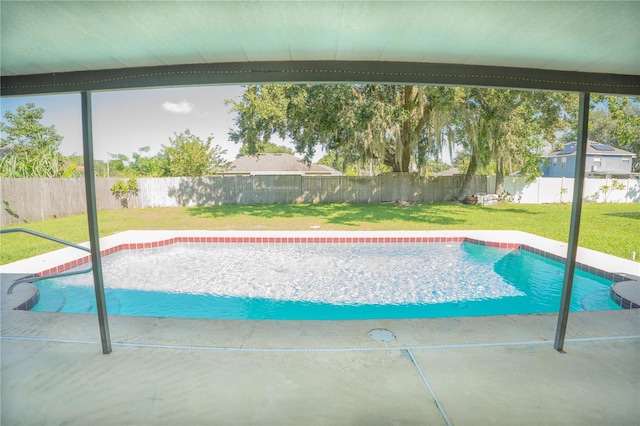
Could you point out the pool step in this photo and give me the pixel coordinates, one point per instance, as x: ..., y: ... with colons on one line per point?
x: 626, y: 293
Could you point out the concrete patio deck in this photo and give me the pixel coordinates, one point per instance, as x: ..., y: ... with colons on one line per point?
x: 462, y: 371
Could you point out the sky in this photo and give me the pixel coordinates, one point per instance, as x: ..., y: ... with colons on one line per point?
x: 124, y: 121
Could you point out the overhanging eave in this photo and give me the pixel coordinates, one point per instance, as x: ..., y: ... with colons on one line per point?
x: 319, y: 72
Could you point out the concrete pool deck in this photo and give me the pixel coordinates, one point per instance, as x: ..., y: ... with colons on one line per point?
x: 461, y: 371
x: 482, y: 370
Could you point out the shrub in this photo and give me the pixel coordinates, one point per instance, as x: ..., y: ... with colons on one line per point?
x: 607, y: 189
x: 124, y: 190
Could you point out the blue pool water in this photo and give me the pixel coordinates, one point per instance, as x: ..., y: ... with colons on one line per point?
x: 325, y: 282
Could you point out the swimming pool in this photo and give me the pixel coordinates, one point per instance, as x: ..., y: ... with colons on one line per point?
x: 327, y: 278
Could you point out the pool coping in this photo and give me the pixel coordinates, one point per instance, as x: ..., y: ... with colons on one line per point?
x: 606, y: 266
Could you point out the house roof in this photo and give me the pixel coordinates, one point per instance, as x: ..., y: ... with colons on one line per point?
x: 276, y: 164
x: 593, y: 148
x: 59, y: 46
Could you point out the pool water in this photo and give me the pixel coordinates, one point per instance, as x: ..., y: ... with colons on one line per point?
x: 325, y: 282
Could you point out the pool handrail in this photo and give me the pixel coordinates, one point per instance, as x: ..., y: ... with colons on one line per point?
x: 34, y: 278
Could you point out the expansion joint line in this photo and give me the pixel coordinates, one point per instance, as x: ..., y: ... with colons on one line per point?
x: 339, y: 349
x: 426, y: 382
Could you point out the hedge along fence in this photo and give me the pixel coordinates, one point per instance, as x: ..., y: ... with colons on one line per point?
x: 28, y: 200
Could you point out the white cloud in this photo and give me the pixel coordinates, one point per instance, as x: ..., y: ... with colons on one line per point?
x: 182, y: 107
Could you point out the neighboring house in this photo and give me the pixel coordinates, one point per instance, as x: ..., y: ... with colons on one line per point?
x: 276, y: 164
x: 602, y: 160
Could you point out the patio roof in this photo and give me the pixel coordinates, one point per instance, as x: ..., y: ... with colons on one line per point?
x: 54, y: 46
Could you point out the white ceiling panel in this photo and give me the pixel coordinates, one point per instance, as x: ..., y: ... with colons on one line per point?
x: 47, y: 37
x: 365, y: 31
x: 319, y: 23
x: 260, y: 29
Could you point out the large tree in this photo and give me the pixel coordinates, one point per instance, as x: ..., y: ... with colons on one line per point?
x: 188, y: 155
x: 613, y: 120
x: 400, y: 126
x: 506, y: 130
x: 141, y: 164
x: 266, y: 148
x: 393, y: 125
x: 617, y: 123
x: 29, y: 148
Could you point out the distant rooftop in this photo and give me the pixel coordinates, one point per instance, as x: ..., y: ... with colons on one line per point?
x: 594, y: 148
x: 276, y: 164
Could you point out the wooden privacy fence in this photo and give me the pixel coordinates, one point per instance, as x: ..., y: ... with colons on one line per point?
x: 27, y: 200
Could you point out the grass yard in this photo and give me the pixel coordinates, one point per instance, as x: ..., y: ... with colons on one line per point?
x: 610, y: 228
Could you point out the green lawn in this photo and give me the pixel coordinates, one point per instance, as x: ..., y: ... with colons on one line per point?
x: 610, y: 228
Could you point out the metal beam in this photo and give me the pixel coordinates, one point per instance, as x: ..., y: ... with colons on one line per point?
x: 319, y: 72
x: 574, y: 231
x: 92, y: 215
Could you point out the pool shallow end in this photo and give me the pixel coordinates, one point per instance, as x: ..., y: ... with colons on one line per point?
x: 69, y: 257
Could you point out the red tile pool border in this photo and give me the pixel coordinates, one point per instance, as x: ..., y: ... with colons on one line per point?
x: 318, y: 240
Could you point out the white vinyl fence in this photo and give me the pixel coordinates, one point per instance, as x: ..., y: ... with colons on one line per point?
x: 546, y: 190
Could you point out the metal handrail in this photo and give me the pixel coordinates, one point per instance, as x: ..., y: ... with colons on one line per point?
x: 34, y: 278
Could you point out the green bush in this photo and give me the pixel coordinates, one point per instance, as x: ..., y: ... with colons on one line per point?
x: 124, y: 190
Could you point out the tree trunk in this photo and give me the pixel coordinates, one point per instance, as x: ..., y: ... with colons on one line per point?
x: 405, y: 132
x: 468, y: 178
x: 406, y: 153
x: 499, y: 179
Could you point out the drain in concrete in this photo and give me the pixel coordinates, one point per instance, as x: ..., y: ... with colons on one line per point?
x: 382, y: 335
